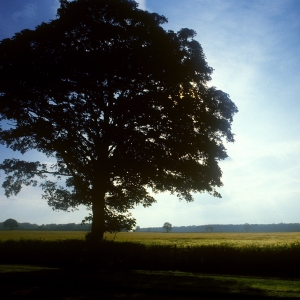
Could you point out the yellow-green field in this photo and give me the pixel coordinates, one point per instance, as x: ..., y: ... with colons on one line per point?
x: 40, y: 235
x: 180, y: 239
x: 193, y: 239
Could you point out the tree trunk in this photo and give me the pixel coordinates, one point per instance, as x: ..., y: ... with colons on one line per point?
x: 98, y: 221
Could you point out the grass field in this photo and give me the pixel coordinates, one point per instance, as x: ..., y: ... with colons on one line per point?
x: 180, y: 239
x: 29, y: 282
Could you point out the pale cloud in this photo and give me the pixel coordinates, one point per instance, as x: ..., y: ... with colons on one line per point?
x: 245, y: 148
x: 142, y: 4
x: 28, y: 206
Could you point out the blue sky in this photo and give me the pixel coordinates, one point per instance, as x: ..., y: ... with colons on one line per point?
x: 254, y: 47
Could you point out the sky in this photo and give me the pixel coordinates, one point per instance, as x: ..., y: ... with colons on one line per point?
x: 254, y: 49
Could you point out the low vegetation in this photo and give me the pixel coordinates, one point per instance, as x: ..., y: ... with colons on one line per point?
x: 140, y: 265
x: 244, y: 254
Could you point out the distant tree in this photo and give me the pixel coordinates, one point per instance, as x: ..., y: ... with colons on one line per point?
x: 209, y: 228
x: 247, y: 227
x: 167, y: 227
x: 123, y: 106
x: 11, y: 224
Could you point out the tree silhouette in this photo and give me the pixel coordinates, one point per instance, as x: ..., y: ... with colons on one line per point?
x: 11, y: 224
x: 247, y: 227
x: 167, y: 227
x: 209, y: 228
x: 123, y: 106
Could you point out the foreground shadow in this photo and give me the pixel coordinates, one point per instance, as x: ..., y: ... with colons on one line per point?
x: 107, y: 284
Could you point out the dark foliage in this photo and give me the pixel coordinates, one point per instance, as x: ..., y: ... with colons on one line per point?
x: 281, y: 227
x: 121, y: 104
x: 280, y: 260
x: 167, y: 227
x: 11, y: 224
x: 52, y: 227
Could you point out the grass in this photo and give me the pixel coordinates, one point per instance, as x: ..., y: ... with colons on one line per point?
x: 26, y: 282
x: 21, y: 268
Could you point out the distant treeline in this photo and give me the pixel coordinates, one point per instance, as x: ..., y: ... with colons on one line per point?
x: 282, y: 227
x: 50, y: 227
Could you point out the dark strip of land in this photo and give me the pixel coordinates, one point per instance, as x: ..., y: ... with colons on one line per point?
x: 21, y: 282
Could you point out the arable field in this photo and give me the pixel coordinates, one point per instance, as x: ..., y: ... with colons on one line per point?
x: 41, y: 235
x: 199, y: 239
x: 157, y: 238
x: 264, y: 255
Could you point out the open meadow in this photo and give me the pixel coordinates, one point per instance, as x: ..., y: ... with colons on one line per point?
x: 157, y: 238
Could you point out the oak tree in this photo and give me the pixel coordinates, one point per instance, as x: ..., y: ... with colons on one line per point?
x: 122, y: 105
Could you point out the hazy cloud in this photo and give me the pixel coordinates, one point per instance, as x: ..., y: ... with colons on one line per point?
x: 142, y: 4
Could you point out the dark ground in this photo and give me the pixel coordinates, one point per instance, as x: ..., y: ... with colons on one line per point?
x: 64, y: 284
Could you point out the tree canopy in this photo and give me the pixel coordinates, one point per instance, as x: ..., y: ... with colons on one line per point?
x: 11, y: 224
x: 167, y: 226
x: 121, y: 104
